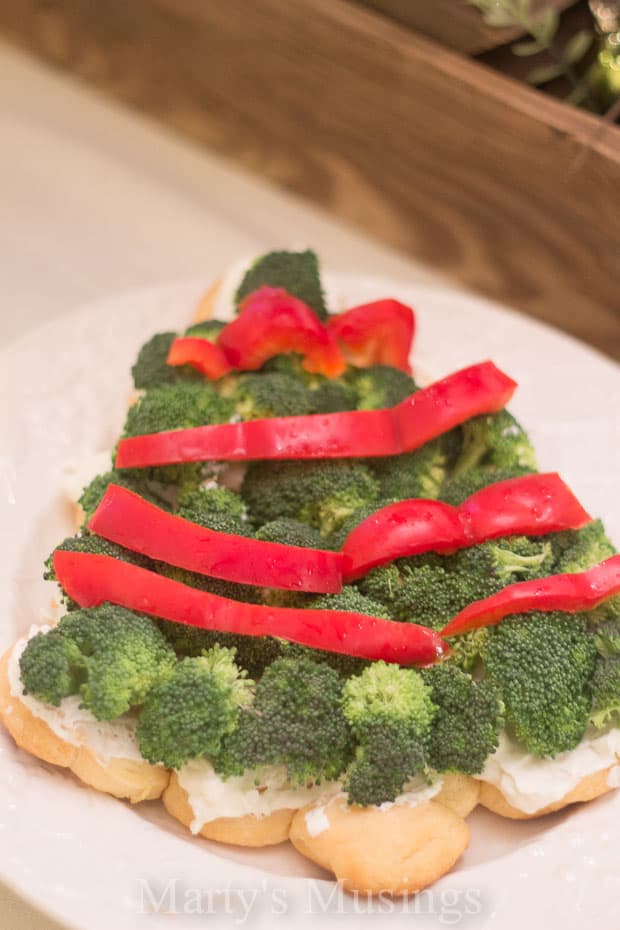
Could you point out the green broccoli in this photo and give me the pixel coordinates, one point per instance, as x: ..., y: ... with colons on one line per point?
x: 188, y: 714
x: 380, y: 386
x: 542, y: 664
x: 215, y: 508
x: 297, y: 272
x: 467, y: 724
x: 421, y: 589
x: 291, y: 533
x: 112, y: 657
x: 296, y: 720
x: 578, y: 550
x: 337, y: 539
x: 494, y: 440
x: 414, y: 474
x: 176, y: 406
x: 605, y: 681
x: 252, y: 653
x: 504, y: 561
x: 269, y: 394
x: 151, y: 368
x: 94, y: 545
x: 93, y: 493
x: 390, y: 712
x: 207, y: 329
x: 322, y: 493
x: 455, y: 490
x: 468, y: 649
x: 332, y: 395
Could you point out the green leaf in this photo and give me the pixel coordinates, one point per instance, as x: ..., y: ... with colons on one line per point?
x: 547, y: 25
x: 493, y: 12
x: 524, y: 49
x: 577, y: 46
x: 578, y: 94
x: 545, y: 73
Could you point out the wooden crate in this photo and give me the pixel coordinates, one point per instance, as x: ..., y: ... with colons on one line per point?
x: 452, y: 22
x: 511, y: 192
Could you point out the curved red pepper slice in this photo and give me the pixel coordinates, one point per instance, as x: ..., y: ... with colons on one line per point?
x: 125, y: 518
x: 378, y: 333
x: 272, y: 321
x: 569, y: 593
x: 91, y: 580
x: 428, y: 413
x: 532, y: 505
x: 202, y: 354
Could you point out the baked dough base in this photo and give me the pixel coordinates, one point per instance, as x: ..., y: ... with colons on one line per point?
x: 460, y: 793
x: 590, y: 787
x: 399, y: 850
x: 123, y: 778
x: 248, y: 830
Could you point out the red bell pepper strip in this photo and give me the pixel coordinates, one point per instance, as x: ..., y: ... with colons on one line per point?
x: 428, y: 413
x: 91, y: 580
x: 569, y: 593
x: 532, y: 505
x: 202, y: 354
x: 378, y: 333
x: 126, y: 519
x: 273, y: 321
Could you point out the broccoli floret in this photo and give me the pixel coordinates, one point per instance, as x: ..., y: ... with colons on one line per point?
x: 605, y: 685
x: 455, y: 490
x: 296, y: 720
x: 504, y: 561
x: 94, y: 545
x: 380, y: 386
x: 291, y: 533
x: 337, y: 539
x: 269, y: 394
x: 230, y: 589
x: 215, y: 508
x: 252, y: 653
x: 468, y: 649
x: 466, y: 727
x: 421, y: 589
x: 390, y: 711
x: 542, y: 664
x: 333, y: 395
x: 177, y: 406
x: 112, y: 657
x: 188, y: 714
x: 297, y: 272
x: 605, y: 682
x: 494, y: 440
x: 322, y: 493
x: 151, y: 368
x: 93, y: 493
x: 170, y: 407
x: 414, y: 474
x: 578, y: 550
x: 207, y: 329
x: 51, y: 667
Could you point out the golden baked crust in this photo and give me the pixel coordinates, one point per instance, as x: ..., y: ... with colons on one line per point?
x: 132, y: 779
x: 590, y: 787
x: 248, y: 830
x: 399, y: 850
x: 460, y: 793
x: 206, y: 305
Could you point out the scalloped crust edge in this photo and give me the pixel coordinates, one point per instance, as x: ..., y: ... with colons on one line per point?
x: 590, y: 787
x: 248, y: 830
x: 123, y: 778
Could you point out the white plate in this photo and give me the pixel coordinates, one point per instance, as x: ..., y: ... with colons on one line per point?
x: 84, y: 857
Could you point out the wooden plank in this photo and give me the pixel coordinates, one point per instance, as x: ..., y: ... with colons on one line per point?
x: 511, y: 192
x: 452, y: 22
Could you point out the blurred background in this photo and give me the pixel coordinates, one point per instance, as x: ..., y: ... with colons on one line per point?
x: 474, y: 141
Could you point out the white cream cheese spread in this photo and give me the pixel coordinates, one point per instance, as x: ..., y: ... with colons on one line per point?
x: 106, y: 739
x: 530, y: 783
